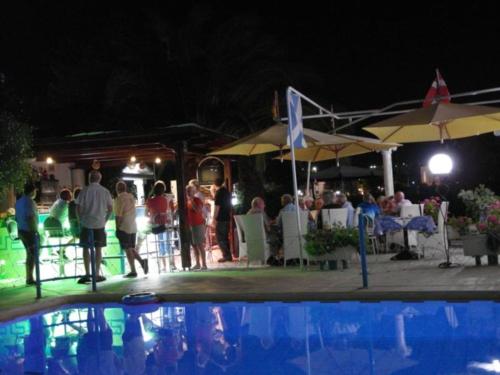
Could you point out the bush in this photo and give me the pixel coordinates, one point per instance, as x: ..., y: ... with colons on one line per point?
x: 15, y: 150
x: 325, y: 241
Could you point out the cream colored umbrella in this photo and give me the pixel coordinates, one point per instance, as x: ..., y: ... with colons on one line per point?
x: 438, y: 122
x: 268, y: 140
x: 340, y: 146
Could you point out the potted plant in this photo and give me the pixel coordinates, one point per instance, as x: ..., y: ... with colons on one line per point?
x: 332, y: 245
x: 482, y: 238
x: 459, y: 226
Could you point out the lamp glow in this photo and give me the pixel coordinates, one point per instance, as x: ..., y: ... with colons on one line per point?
x: 50, y: 160
x: 133, y: 159
x: 314, y: 169
x: 440, y: 164
x: 157, y: 160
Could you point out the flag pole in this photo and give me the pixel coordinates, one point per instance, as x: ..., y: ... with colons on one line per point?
x: 294, y: 172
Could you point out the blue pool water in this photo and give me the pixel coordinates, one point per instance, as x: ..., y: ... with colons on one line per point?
x: 256, y: 338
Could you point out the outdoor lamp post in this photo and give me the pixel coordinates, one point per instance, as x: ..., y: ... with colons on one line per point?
x: 440, y: 164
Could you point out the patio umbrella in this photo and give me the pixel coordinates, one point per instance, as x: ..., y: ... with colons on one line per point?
x: 268, y: 140
x: 438, y: 122
x: 340, y: 146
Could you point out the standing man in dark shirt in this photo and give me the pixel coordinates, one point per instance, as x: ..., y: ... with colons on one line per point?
x: 222, y: 216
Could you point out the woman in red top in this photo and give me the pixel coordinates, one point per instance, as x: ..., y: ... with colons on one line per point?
x: 159, y: 209
x: 196, y: 223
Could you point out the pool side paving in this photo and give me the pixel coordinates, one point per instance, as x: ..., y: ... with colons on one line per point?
x: 388, y: 280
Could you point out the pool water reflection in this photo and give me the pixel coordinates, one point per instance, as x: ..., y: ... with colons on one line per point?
x: 256, y: 338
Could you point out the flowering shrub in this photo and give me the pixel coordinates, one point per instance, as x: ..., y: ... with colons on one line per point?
x: 325, y: 241
x: 431, y: 207
x: 492, y: 222
x: 477, y: 202
x: 461, y: 224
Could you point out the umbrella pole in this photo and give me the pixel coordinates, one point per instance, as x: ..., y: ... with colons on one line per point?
x: 308, y: 178
x: 296, y: 195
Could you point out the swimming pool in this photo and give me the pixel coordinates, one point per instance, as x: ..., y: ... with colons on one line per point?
x: 256, y: 338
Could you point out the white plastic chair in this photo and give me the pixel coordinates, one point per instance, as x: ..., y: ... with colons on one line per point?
x: 370, y: 232
x: 439, y: 239
x: 412, y: 210
x: 334, y: 216
x: 242, y: 245
x: 355, y: 221
x: 255, y: 237
x: 292, y: 239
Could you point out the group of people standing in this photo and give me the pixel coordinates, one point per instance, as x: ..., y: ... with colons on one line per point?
x: 89, y: 209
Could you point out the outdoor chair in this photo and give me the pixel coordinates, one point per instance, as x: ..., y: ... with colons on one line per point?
x: 242, y: 245
x: 257, y: 247
x: 412, y: 210
x: 439, y: 239
x: 370, y: 233
x: 334, y: 216
x: 355, y: 221
x: 292, y: 239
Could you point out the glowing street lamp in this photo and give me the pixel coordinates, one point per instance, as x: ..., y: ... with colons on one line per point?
x: 440, y: 164
x: 157, y: 160
x: 49, y: 160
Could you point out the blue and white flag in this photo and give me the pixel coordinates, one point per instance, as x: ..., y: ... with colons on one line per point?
x: 295, y: 127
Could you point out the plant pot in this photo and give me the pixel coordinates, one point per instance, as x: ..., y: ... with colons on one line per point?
x: 453, y: 234
x: 339, y: 258
x: 475, y: 245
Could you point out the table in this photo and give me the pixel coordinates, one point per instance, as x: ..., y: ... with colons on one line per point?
x: 384, y: 224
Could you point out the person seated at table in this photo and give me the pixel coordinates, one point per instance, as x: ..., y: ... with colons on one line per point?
x: 369, y: 207
x: 288, y: 206
x: 258, y: 207
x: 273, y: 231
x: 329, y: 200
x: 388, y: 206
x: 400, y: 200
x: 305, y: 205
x: 318, y: 204
x: 344, y: 203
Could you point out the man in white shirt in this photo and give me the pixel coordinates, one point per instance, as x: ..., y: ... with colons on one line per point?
x: 126, y: 228
x: 94, y: 206
x: 399, y: 199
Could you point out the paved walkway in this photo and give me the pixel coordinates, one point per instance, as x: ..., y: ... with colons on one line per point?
x: 402, y: 280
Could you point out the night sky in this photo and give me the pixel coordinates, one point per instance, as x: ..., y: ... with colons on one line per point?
x: 81, y: 65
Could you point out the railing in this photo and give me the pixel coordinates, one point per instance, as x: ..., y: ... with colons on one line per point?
x: 38, y: 279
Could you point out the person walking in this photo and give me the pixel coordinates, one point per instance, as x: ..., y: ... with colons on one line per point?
x: 196, y: 223
x: 27, y: 224
x: 221, y: 219
x: 126, y: 228
x: 94, y: 206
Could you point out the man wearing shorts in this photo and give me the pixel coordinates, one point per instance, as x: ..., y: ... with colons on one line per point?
x: 94, y: 206
x: 126, y: 228
x: 27, y: 223
x: 196, y: 223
